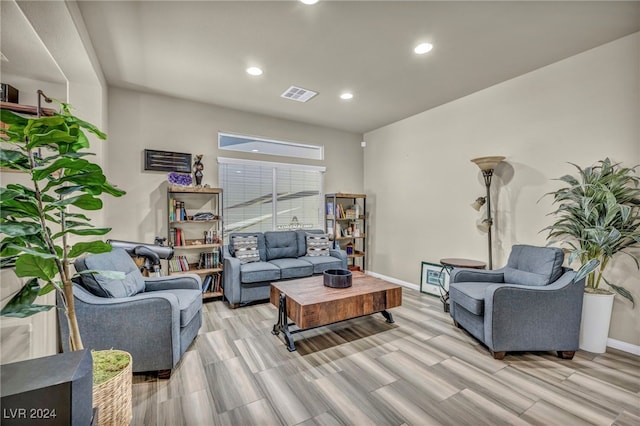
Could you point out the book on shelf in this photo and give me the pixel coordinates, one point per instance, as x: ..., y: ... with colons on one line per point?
x: 208, y: 260
x: 177, y: 235
x: 177, y: 211
x: 179, y: 264
x: 330, y: 208
x: 206, y: 283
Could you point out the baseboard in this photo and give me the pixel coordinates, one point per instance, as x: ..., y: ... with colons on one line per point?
x: 623, y: 346
x: 612, y: 343
x: 393, y: 280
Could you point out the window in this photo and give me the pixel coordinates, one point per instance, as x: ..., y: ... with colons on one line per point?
x: 233, y: 142
x: 261, y: 196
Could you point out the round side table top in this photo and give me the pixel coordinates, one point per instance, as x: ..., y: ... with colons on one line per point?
x: 463, y: 263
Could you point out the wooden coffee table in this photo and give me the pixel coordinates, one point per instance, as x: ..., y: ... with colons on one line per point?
x: 310, y: 304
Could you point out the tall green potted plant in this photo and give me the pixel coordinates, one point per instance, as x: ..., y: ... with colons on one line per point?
x: 37, y: 220
x: 598, y: 217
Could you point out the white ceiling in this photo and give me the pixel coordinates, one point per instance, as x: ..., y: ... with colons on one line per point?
x: 199, y: 50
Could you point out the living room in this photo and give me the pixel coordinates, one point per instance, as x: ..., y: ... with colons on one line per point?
x: 415, y: 171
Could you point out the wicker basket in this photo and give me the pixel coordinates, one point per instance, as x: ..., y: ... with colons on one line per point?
x: 113, y: 398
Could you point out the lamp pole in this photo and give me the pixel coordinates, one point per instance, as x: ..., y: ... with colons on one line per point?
x: 487, y: 174
x: 487, y: 166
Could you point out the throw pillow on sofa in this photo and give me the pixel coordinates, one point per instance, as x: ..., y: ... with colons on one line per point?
x: 246, y: 249
x: 318, y: 245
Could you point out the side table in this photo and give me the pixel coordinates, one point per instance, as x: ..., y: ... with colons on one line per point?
x: 448, y: 263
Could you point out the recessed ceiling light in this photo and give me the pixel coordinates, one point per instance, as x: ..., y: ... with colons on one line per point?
x: 309, y: 1
x: 255, y: 150
x: 254, y: 71
x: 346, y: 96
x: 423, y: 48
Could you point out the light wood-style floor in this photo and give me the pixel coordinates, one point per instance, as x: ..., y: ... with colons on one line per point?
x: 419, y: 371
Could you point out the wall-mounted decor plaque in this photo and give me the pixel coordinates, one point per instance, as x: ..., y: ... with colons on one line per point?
x: 167, y: 161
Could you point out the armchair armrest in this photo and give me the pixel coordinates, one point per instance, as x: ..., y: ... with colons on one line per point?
x: 459, y: 275
x: 518, y: 317
x: 183, y: 281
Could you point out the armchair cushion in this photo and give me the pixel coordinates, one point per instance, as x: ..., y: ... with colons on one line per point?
x: 116, y: 260
x: 470, y: 295
x: 536, y: 266
x: 189, y: 303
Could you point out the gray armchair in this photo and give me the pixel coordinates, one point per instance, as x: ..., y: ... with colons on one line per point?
x: 532, y: 304
x: 155, y: 319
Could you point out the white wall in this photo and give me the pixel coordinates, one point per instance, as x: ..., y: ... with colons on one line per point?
x: 140, y: 121
x: 420, y: 181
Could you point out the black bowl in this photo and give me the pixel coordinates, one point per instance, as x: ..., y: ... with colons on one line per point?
x: 337, y: 278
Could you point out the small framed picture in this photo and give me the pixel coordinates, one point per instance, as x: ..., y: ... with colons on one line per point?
x: 434, y: 279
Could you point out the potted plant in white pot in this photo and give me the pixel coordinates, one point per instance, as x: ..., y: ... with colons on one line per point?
x: 37, y: 220
x: 598, y: 217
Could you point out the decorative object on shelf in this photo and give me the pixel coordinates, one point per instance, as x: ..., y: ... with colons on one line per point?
x: 487, y: 165
x: 598, y: 216
x: 179, y: 179
x: 337, y: 278
x: 167, y: 161
x: 197, y: 170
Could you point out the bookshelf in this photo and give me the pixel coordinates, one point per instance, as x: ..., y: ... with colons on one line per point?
x: 195, y: 222
x: 346, y: 223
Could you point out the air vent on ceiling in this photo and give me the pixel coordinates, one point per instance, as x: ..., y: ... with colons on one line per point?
x: 298, y: 94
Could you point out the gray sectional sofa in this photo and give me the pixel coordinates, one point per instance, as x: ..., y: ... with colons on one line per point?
x: 282, y: 255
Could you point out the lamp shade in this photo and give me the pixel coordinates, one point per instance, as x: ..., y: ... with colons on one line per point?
x: 488, y: 163
x: 484, y: 226
x: 479, y: 202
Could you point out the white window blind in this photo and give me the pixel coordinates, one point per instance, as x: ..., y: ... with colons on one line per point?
x: 262, y: 196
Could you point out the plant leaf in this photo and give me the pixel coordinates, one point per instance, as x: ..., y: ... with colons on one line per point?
x: 89, y: 247
x: 30, y: 265
x: 21, y: 305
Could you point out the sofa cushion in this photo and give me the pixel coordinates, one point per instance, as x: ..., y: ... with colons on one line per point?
x: 318, y: 245
x: 262, y: 250
x: 293, y: 268
x: 536, y: 266
x: 302, y: 239
x: 256, y: 272
x: 245, y: 248
x: 281, y: 244
x: 117, y: 260
x: 189, y: 302
x: 322, y: 263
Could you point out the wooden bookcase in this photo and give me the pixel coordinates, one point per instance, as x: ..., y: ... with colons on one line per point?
x: 346, y: 223
x: 196, y: 242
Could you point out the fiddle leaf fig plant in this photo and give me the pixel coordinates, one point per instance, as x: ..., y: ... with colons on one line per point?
x: 36, y: 220
x: 598, y: 216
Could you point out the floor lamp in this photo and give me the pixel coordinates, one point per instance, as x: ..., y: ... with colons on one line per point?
x: 487, y: 166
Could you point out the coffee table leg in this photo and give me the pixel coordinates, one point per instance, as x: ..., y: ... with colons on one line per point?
x: 388, y: 316
x: 283, y: 324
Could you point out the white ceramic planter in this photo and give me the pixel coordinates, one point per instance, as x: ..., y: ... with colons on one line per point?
x: 596, y: 317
